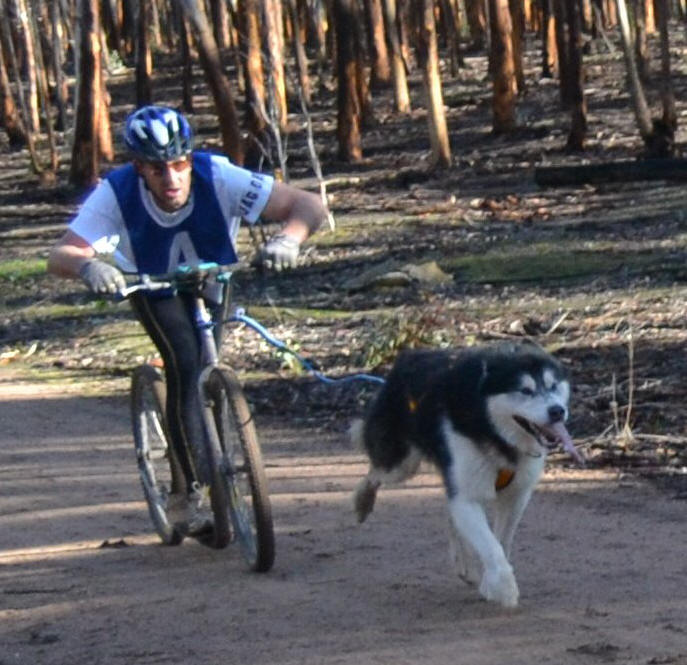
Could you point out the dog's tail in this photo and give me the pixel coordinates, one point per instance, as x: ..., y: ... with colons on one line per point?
x: 366, y: 490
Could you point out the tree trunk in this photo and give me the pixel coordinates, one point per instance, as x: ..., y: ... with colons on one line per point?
x: 349, y: 116
x: 85, y: 150
x: 398, y: 69
x: 251, y: 52
x: 273, y: 26
x: 451, y: 28
x: 502, y: 67
x: 60, y: 83
x: 548, y: 38
x: 403, y: 26
x: 665, y: 128
x: 219, y: 85
x: 563, y: 50
x: 477, y: 23
x: 105, y: 144
x: 10, y: 119
x: 380, y: 71
x: 667, y: 93
x: 44, y: 96
x: 428, y: 61
x: 144, y: 56
x: 21, y: 17
x: 575, y: 84
x: 641, y: 44
x: 187, y: 67
x: 518, y: 24
x: 129, y: 26
x: 220, y: 22
x: 641, y: 108
x: 299, y: 52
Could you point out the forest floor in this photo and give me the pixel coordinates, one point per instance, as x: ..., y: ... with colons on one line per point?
x: 595, y: 273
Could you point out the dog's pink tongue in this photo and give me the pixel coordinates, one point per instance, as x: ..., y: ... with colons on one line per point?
x: 566, y: 441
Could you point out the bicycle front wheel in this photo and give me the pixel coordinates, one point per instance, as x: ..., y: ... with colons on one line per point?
x: 158, y: 467
x: 242, y: 474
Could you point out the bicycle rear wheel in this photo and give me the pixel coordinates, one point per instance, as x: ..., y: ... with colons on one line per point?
x: 241, y: 484
x: 158, y: 466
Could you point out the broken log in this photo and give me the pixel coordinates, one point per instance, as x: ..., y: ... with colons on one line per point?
x: 640, y: 169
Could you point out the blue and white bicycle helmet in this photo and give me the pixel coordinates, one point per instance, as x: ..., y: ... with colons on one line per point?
x: 158, y: 133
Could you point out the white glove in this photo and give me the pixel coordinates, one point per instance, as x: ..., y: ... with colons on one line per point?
x: 279, y: 252
x: 101, y: 277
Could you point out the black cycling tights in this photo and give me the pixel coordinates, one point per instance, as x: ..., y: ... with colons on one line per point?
x: 169, y: 323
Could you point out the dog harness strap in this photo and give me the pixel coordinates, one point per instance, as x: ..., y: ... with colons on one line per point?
x: 504, y: 477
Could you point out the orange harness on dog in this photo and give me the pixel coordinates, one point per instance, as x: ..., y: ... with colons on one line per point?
x: 504, y: 477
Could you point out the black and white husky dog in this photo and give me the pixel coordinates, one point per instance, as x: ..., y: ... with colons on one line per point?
x: 486, y: 418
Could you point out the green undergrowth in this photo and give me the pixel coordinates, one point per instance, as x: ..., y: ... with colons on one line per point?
x: 547, y: 263
x: 16, y: 270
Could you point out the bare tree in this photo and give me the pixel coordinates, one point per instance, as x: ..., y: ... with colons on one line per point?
x: 349, y: 116
x: 254, y: 80
x: 10, y: 118
x: 220, y: 22
x: 85, y: 150
x: 547, y: 32
x: 669, y: 117
x: 398, y: 67
x: 657, y: 137
x: 299, y: 52
x: 477, y: 23
x: 575, y: 83
x: 517, y: 15
x: 502, y: 67
x: 57, y: 21
x: 273, y: 25
x: 144, y: 56
x: 428, y: 61
x: 214, y: 74
x: 380, y: 71
x: 20, y: 15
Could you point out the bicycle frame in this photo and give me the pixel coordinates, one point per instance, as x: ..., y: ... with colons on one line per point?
x: 237, y: 483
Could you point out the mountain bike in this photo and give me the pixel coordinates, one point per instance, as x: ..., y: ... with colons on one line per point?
x: 238, y: 486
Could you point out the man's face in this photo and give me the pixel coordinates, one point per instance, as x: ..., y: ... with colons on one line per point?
x: 168, y: 182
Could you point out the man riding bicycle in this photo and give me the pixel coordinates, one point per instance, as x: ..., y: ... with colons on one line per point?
x: 172, y: 206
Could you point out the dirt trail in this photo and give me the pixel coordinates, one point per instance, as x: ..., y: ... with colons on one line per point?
x: 600, y: 561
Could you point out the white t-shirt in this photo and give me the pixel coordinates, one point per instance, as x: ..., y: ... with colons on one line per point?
x: 100, y: 223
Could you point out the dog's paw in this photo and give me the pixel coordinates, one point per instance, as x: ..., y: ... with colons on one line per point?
x: 364, y: 498
x: 500, y: 586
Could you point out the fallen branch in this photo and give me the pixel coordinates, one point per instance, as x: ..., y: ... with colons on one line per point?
x: 640, y: 169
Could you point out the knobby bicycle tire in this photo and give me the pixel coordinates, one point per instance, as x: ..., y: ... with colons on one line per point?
x: 159, y: 469
x: 240, y: 487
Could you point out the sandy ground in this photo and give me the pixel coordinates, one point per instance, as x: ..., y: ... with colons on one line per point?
x: 600, y: 559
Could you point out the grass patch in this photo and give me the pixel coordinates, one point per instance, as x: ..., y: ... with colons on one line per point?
x: 542, y: 263
x: 19, y: 269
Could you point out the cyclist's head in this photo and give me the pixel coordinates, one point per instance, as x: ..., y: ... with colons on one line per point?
x: 158, y: 134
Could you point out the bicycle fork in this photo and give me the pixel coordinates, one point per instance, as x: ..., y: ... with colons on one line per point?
x: 218, y: 458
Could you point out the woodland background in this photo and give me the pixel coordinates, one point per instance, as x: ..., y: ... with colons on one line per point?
x: 494, y: 170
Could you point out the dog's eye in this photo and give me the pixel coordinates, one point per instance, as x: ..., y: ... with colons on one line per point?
x: 527, y: 391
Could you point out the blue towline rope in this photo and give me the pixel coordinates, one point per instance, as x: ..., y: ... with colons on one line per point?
x: 240, y: 315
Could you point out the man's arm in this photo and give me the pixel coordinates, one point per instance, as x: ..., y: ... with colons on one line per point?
x: 69, y: 255
x: 301, y: 212
x: 72, y: 256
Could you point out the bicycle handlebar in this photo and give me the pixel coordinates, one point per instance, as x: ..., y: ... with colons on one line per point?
x: 185, y: 275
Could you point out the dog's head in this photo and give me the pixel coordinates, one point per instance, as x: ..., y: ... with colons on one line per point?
x: 527, y: 393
